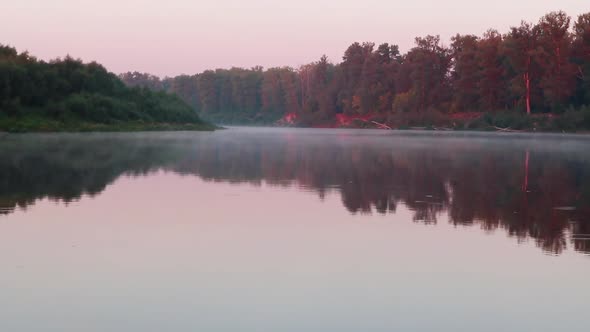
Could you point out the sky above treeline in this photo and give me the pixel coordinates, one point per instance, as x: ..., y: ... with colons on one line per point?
x: 172, y: 37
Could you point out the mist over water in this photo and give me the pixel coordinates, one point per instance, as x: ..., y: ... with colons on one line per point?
x: 255, y: 229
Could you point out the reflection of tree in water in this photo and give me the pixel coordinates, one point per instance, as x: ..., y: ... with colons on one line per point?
x: 529, y: 189
x: 65, y: 167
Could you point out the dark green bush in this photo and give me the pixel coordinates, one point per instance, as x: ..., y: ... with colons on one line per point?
x: 68, y: 90
x: 573, y: 120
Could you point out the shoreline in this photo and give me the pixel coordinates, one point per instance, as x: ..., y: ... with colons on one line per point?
x: 174, y: 127
x: 426, y: 129
x: 15, y: 126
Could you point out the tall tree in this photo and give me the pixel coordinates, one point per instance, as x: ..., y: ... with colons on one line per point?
x: 558, y: 80
x: 521, y: 49
x: 465, y: 74
x: 581, y: 58
x: 491, y: 87
x: 208, y: 92
x: 429, y: 64
x: 352, y: 68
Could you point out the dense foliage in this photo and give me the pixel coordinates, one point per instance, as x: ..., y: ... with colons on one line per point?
x: 533, y: 68
x: 37, y: 93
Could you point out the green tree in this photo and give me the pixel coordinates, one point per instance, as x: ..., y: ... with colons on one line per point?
x: 466, y: 74
x: 558, y: 80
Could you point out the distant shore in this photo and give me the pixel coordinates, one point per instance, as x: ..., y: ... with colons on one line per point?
x: 574, y: 121
x: 10, y: 125
x: 40, y: 125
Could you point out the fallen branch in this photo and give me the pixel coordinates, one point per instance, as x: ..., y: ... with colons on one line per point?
x: 442, y: 128
x: 382, y: 125
x: 507, y: 129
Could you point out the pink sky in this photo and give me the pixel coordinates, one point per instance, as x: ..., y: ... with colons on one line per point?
x: 182, y: 36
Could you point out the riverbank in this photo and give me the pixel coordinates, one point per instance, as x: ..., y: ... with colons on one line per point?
x: 571, y: 121
x: 23, y: 125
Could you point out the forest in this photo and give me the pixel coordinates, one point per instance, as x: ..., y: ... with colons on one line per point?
x: 534, y: 76
x: 67, y: 94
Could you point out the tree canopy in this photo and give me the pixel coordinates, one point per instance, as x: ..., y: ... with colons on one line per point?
x: 70, y: 90
x: 532, y: 68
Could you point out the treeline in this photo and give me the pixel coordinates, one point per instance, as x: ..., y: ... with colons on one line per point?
x: 49, y: 95
x: 533, y: 68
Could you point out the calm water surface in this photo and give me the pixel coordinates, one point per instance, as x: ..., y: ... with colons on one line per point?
x: 294, y: 230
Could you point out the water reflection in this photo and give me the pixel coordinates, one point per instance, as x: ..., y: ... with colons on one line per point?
x: 531, y: 187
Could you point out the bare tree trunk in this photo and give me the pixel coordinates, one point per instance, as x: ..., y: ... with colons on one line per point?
x: 527, y: 82
x: 558, y: 88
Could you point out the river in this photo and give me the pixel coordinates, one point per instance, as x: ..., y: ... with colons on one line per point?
x: 269, y: 229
